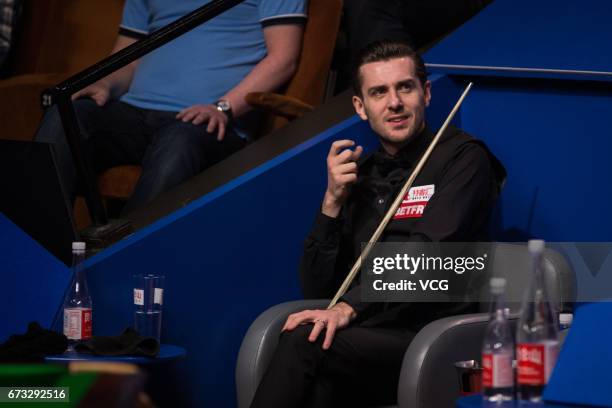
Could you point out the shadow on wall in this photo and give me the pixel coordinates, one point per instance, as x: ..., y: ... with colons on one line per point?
x: 497, y: 231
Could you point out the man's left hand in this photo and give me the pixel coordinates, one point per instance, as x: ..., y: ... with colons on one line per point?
x: 338, y: 317
x: 198, y: 114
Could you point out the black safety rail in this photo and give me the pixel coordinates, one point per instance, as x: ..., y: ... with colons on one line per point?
x: 61, y: 94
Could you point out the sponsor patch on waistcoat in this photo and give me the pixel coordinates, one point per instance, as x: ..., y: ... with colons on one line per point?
x: 414, y: 202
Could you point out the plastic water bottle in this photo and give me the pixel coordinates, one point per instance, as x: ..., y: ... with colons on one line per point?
x: 537, y: 334
x: 498, y: 349
x: 77, y: 304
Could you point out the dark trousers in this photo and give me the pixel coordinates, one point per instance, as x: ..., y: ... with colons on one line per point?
x: 117, y: 133
x: 361, y: 368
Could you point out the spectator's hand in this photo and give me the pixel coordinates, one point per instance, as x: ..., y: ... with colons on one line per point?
x: 99, y: 92
x: 341, y: 174
x: 198, y: 114
x: 338, y: 317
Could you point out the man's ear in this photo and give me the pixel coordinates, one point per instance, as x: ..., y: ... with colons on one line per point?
x: 427, y: 92
x: 359, y: 107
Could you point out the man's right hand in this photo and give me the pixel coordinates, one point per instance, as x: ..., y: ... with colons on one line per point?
x: 99, y: 92
x: 341, y: 174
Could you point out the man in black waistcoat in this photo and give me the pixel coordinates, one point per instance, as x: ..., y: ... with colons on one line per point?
x: 351, y: 354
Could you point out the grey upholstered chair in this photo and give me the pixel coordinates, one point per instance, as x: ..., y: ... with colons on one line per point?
x: 428, y: 378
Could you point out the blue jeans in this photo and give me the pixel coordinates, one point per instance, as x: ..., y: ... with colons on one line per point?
x: 169, y: 151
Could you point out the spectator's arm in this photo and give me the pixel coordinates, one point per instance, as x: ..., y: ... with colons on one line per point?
x: 115, y: 84
x: 120, y: 80
x: 284, y: 43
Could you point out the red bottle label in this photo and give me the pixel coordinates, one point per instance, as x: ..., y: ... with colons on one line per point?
x: 497, y: 370
x: 86, y: 324
x: 77, y: 323
x: 536, y: 362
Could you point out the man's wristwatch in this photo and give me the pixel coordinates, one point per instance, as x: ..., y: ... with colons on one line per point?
x: 224, y: 106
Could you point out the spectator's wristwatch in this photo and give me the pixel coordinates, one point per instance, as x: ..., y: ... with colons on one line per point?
x: 224, y: 106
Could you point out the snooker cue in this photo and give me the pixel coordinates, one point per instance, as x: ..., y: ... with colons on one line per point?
x: 398, y: 200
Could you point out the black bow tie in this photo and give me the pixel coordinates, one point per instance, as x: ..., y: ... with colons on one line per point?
x: 388, y: 172
x: 386, y: 164
x: 406, y: 158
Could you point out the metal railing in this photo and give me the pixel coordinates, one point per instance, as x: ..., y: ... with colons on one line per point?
x: 61, y: 94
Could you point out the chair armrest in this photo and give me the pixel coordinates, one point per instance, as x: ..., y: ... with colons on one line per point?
x: 259, y: 344
x: 428, y: 377
x: 280, y: 105
x: 21, y: 103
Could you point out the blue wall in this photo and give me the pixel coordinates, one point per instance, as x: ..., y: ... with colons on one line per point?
x: 33, y: 281
x: 550, y: 129
x: 550, y: 34
x: 555, y: 144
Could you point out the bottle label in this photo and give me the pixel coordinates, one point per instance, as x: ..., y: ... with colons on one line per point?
x: 536, y: 362
x: 158, y: 296
x: 77, y: 323
x: 139, y: 297
x: 497, y: 370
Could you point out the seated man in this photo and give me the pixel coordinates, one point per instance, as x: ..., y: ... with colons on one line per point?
x: 181, y: 108
x: 351, y: 354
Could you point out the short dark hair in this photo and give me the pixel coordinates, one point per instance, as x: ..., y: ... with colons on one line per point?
x: 385, y: 50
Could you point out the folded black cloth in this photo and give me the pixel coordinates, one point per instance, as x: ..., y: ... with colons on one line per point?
x: 32, y: 346
x: 127, y: 343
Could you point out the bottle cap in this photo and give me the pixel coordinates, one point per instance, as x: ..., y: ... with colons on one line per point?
x: 78, y: 246
x: 565, y: 319
x: 536, y: 246
x: 497, y: 283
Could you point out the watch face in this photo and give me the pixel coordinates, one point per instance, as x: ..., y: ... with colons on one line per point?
x: 223, y: 105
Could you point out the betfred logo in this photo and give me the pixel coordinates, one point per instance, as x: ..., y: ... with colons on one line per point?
x: 414, y: 202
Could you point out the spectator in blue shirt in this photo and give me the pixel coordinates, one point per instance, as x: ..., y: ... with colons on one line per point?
x: 181, y: 108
